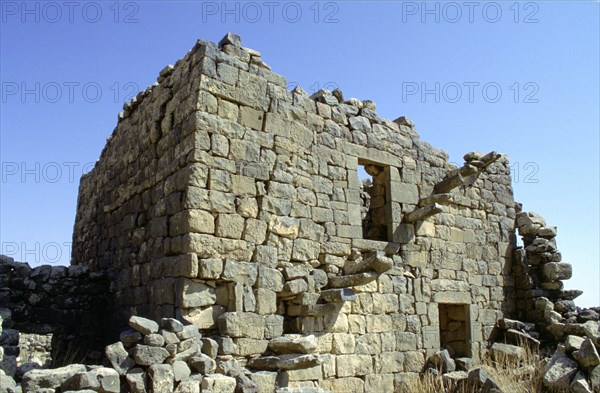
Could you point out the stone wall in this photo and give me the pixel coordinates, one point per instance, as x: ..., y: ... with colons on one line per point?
x: 69, y: 302
x: 225, y: 200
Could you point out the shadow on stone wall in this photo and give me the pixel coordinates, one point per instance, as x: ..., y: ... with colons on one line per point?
x: 69, y: 302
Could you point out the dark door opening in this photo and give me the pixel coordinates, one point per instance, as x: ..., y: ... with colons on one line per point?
x: 454, y: 329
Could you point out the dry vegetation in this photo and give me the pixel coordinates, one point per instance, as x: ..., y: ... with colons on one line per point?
x: 524, y: 377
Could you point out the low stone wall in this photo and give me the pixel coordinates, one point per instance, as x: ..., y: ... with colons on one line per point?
x: 68, y: 302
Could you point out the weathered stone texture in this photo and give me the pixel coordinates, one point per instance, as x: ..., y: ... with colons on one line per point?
x: 226, y: 201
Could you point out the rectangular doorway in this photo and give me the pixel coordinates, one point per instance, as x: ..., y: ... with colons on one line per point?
x: 454, y: 329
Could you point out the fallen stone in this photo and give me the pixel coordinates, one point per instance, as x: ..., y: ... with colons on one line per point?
x: 188, y: 331
x: 587, y: 315
x: 559, y: 372
x: 453, y: 379
x: 463, y: 364
x: 587, y: 355
x: 189, y: 386
x: 119, y: 358
x: 154, y: 340
x: 101, y: 379
x: 580, y: 384
x: 210, y: 347
x: 519, y: 338
x: 595, y: 378
x: 7, y: 384
x: 443, y: 361
x: 507, y: 354
x: 172, y: 324
x: 203, y: 364
x: 181, y: 370
x: 573, y: 343
x: 592, y: 330
x: 143, y: 325
x: 245, y: 384
x: 478, y: 378
x: 145, y: 355
x: 136, y: 380
x: 49, y: 378
x: 218, y: 383
x: 161, y: 378
x: 130, y: 337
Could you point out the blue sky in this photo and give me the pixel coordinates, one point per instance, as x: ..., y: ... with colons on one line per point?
x: 517, y: 77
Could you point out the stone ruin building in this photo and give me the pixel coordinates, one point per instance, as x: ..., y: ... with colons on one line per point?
x: 227, y: 203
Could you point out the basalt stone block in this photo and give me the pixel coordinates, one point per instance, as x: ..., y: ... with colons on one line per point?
x: 554, y: 271
x: 145, y: 355
x: 143, y: 325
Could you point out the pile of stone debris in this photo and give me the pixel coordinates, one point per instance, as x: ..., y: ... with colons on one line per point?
x: 456, y: 376
x: 570, y: 365
x: 171, y: 357
x: 573, y: 367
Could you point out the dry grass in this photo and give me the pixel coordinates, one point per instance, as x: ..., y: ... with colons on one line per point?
x: 521, y: 377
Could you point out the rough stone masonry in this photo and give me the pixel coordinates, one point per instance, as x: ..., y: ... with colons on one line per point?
x: 226, y: 201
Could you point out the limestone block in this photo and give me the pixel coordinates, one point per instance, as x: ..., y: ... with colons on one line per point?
x: 305, y: 250
x: 185, y: 265
x: 244, y: 151
x: 507, y: 354
x: 265, y: 380
x: 235, y: 324
x: 295, y: 287
x: 383, y: 383
x: 255, y: 231
x: 230, y: 226
x: 413, y: 361
x: 191, y: 220
x: 368, y: 344
x: 205, y: 318
x: 243, y: 185
x: 273, y: 326
x: 354, y: 365
x: 210, y: 268
x: 284, y: 226
x: 203, y: 364
x: 241, y: 272
x: 193, y: 293
x: 247, y: 207
x: 161, y: 378
x: 218, y: 383
x: 391, y: 362
x: 343, y: 343
x: 219, y: 144
x: 344, y: 385
x: 379, y: 323
x: 188, y: 386
x: 250, y: 346
x: 266, y: 301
